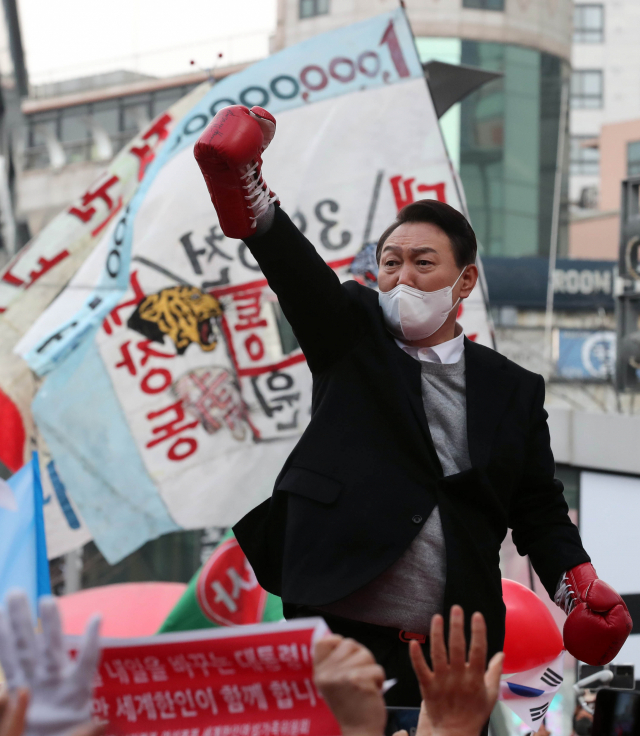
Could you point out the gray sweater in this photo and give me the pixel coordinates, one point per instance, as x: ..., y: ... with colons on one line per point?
x: 407, y: 594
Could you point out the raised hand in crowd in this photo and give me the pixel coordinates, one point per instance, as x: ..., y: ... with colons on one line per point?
x: 350, y: 681
x: 60, y: 688
x: 13, y: 711
x: 458, y: 694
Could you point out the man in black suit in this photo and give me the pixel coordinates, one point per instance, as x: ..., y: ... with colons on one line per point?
x: 423, y: 447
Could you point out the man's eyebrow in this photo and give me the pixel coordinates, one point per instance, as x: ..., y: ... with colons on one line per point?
x: 415, y: 250
x: 423, y: 249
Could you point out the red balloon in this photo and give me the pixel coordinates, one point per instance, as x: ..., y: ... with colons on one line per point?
x: 532, y: 637
x: 128, y: 609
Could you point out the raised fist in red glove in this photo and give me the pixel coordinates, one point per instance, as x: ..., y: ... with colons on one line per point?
x: 598, y: 622
x: 229, y: 156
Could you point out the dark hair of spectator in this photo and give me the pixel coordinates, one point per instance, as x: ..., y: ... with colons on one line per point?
x: 450, y: 221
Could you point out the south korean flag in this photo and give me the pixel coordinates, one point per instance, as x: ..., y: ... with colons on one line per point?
x: 529, y: 694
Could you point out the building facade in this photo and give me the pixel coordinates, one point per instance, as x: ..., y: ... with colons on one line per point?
x: 70, y: 130
x: 605, y: 108
x: 503, y: 138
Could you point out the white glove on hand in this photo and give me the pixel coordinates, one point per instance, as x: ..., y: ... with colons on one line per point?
x: 61, y: 688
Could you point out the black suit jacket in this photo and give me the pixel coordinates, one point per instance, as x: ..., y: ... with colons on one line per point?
x: 365, y: 476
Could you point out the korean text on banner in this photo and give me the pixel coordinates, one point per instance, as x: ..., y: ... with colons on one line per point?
x: 257, y: 680
x: 224, y: 592
x: 37, y: 273
x: 189, y: 370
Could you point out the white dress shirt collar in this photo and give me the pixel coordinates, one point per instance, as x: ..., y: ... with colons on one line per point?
x: 446, y: 352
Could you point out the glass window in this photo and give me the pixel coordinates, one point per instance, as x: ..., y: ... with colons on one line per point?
x: 588, y: 23
x: 107, y: 116
x: 585, y: 157
x: 309, y: 8
x: 570, y: 479
x: 633, y: 158
x: 74, y: 124
x: 484, y: 4
x: 586, y: 88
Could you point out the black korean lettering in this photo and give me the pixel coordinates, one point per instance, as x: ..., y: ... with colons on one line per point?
x: 222, y: 281
x: 192, y: 253
x: 211, y: 240
x: 345, y: 235
x: 277, y: 382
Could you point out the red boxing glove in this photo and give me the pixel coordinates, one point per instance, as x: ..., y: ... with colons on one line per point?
x: 229, y: 156
x: 598, y: 622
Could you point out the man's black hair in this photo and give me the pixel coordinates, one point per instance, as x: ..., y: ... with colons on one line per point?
x: 450, y: 221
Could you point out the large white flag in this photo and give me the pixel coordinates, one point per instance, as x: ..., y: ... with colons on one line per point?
x: 176, y: 388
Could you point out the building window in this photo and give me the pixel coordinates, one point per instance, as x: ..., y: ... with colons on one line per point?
x: 586, y: 88
x: 93, y: 132
x: 585, y: 156
x: 310, y: 8
x: 633, y: 158
x: 484, y: 4
x: 588, y: 24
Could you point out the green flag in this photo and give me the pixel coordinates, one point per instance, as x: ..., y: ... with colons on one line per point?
x: 224, y: 592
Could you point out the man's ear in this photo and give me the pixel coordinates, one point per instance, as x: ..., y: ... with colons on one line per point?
x: 469, y: 280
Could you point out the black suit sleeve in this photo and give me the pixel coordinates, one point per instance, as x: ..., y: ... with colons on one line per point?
x: 539, y: 515
x: 319, y: 309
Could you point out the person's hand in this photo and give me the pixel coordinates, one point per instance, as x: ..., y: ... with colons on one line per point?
x: 458, y: 695
x: 13, y: 710
x: 60, y: 687
x: 350, y: 681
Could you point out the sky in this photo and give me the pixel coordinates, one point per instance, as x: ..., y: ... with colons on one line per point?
x: 72, y: 38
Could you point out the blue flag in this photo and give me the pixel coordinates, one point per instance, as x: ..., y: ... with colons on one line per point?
x: 23, y: 549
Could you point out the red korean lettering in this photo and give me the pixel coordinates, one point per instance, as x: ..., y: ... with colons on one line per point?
x: 45, y: 264
x: 101, y: 193
x: 160, y: 129
x: 149, y: 383
x: 401, y: 197
x: 437, y: 188
x: 172, y: 428
x: 249, y: 312
x: 403, y: 190
x: 127, y: 360
x: 148, y: 352
x: 145, y: 154
x: 254, y: 347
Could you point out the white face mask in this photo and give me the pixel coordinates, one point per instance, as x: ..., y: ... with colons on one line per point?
x: 411, y: 314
